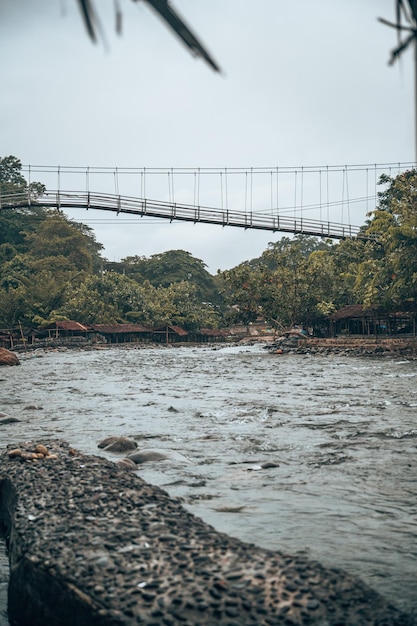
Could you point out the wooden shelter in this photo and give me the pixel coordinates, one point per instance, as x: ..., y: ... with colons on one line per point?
x: 354, y: 319
x: 169, y: 334
x: 6, y: 339
x: 209, y: 335
x: 62, y: 329
x: 122, y: 333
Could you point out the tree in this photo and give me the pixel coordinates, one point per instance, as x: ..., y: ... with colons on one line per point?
x: 56, y: 236
x: 388, y: 276
x: 12, y: 181
x: 339, y: 272
x: 114, y: 298
x: 13, y: 306
x: 187, y: 309
x: 293, y: 284
x: 276, y: 285
x: 102, y: 299
x: 40, y: 284
x: 41, y: 253
x: 242, y: 293
x: 174, y: 266
x: 15, y: 223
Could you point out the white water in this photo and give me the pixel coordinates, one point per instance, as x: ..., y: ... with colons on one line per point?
x: 343, y: 431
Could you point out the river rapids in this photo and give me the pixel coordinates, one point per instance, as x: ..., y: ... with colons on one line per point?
x: 301, y: 453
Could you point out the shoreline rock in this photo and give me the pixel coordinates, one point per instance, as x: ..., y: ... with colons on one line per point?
x: 364, y: 347
x: 8, y: 358
x: 94, y: 545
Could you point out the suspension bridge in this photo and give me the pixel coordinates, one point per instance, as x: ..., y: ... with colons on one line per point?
x: 324, y: 201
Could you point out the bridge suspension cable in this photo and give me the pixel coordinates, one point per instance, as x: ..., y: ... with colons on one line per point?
x: 179, y: 211
x: 337, y: 194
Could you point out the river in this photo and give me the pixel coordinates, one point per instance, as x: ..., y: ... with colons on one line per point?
x: 341, y: 432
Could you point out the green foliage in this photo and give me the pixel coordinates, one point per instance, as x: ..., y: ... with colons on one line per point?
x: 168, y: 268
x: 101, y: 299
x: 284, y: 285
x: 16, y: 223
x: 242, y: 292
x: 115, y: 298
x: 41, y: 253
x: 13, y: 306
x: 388, y: 276
x: 11, y: 178
x: 299, y: 280
x: 51, y: 268
x: 7, y: 252
x: 176, y: 288
x: 56, y: 236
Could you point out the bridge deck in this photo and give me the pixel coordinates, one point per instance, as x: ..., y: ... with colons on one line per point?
x: 184, y: 212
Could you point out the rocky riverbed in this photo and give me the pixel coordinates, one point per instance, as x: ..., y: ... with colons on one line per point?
x: 93, y: 544
x: 345, y: 346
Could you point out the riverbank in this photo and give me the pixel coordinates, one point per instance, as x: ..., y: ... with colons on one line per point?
x: 346, y: 346
x: 93, y: 544
x: 371, y: 346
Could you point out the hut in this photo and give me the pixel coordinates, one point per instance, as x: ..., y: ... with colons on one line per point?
x: 354, y: 319
x: 209, y: 335
x: 62, y: 329
x: 121, y: 333
x: 6, y: 339
x: 170, y: 334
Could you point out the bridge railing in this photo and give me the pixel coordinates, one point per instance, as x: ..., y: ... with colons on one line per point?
x: 178, y: 211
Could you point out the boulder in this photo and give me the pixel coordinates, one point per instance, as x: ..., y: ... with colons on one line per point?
x: 127, y: 464
x: 118, y: 444
x: 8, y: 358
x: 144, y: 456
x: 153, y: 454
x: 8, y: 420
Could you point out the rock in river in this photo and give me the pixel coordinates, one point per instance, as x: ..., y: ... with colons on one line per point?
x: 153, y: 454
x: 118, y: 444
x: 127, y: 464
x: 8, y: 420
x: 8, y: 358
x: 143, y: 456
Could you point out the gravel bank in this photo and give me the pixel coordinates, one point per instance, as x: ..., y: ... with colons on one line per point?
x: 92, y: 544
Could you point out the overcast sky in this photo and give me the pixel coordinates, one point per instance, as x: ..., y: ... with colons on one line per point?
x: 304, y: 83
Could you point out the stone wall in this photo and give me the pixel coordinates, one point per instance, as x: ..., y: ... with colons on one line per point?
x: 346, y: 346
x: 91, y: 544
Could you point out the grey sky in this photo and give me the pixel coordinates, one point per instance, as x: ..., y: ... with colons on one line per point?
x: 305, y: 83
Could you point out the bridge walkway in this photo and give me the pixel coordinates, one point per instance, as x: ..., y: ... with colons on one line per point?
x: 145, y: 207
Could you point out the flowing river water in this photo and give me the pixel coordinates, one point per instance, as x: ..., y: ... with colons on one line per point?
x: 339, y: 434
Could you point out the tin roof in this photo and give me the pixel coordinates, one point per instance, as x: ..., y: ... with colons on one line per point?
x: 176, y: 329
x: 358, y: 311
x: 66, y: 325
x: 211, y: 332
x: 116, y: 329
